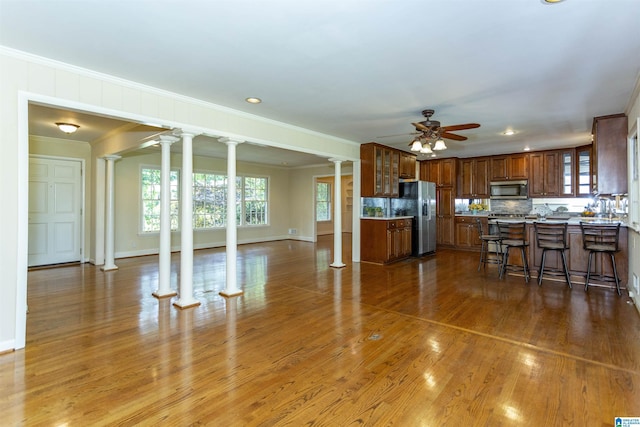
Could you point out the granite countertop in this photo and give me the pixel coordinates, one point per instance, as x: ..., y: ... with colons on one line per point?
x: 386, y: 218
x: 574, y: 220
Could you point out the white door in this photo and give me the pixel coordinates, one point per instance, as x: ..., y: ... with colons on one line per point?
x: 55, y: 203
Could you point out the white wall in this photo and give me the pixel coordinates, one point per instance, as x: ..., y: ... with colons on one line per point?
x: 27, y: 78
x: 633, y: 115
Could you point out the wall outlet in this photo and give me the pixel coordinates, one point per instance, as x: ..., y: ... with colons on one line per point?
x: 293, y: 231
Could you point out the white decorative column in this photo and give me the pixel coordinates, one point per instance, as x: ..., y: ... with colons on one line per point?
x: 186, y: 299
x: 231, y: 289
x: 164, y: 262
x: 109, y: 246
x: 337, y: 216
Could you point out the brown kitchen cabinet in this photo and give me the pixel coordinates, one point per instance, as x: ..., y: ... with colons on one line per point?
x: 442, y: 172
x: 474, y: 178
x: 445, y: 210
x: 379, y: 171
x: 544, y: 174
x: 583, y: 172
x: 385, y: 240
x: 467, y: 236
x: 511, y: 166
x: 610, y: 154
x: 407, y: 165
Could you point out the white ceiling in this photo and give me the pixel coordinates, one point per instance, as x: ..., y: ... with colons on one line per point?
x: 356, y: 69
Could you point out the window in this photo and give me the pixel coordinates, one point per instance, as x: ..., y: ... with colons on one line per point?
x: 255, y: 201
x: 150, y: 181
x: 210, y: 200
x: 323, y: 201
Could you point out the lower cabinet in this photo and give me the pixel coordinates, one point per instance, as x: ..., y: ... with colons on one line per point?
x: 467, y: 236
x: 385, y: 240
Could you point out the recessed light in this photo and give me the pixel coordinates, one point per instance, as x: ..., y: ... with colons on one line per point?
x: 509, y: 132
x: 67, y: 127
x: 252, y: 100
x: 527, y: 148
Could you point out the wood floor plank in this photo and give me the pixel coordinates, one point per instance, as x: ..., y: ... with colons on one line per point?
x: 426, y: 341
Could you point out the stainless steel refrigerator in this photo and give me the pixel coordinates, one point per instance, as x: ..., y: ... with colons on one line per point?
x: 418, y: 199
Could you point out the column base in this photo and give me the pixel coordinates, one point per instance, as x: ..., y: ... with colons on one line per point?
x: 231, y: 293
x: 109, y: 267
x: 337, y: 265
x: 167, y: 295
x: 186, y: 304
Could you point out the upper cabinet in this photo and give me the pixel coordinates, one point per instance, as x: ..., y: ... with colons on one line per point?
x: 441, y: 171
x: 610, y: 154
x: 544, y: 174
x: 379, y: 172
x: 407, y: 165
x: 474, y: 178
x: 512, y: 166
x: 583, y: 173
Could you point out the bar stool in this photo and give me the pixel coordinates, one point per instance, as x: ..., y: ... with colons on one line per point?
x: 552, y: 237
x: 513, y: 235
x: 601, y: 238
x: 484, y: 251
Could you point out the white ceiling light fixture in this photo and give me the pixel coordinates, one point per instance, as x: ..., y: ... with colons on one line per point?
x: 416, y: 145
x: 67, y: 127
x: 509, y: 132
x: 440, y: 145
x: 551, y: 1
x: 426, y: 149
x: 253, y: 100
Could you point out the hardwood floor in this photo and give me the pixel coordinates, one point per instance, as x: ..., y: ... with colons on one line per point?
x: 422, y: 342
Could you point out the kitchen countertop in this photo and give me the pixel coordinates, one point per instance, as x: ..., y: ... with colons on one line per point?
x: 571, y: 221
x: 386, y: 218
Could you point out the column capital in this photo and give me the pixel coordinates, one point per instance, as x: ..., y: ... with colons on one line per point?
x: 113, y: 157
x: 185, y: 132
x: 230, y: 141
x: 336, y: 160
x: 168, y: 139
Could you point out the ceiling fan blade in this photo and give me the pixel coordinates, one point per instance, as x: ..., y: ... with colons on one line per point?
x: 453, y: 136
x: 461, y: 127
x: 399, y: 134
x: 420, y: 126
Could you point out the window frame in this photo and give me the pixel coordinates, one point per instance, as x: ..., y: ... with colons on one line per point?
x: 141, y: 199
x: 328, y: 201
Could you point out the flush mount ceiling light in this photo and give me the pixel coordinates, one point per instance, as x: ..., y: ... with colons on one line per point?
x: 252, y: 100
x: 67, y: 127
x: 551, y: 1
x: 509, y: 132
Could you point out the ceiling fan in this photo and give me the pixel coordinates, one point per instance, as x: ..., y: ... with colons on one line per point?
x: 431, y: 131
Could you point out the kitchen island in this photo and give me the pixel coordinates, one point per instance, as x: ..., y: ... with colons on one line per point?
x: 385, y: 239
x: 577, y: 257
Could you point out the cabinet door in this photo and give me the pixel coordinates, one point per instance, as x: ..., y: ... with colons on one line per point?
x: 610, y: 154
x: 499, y: 168
x: 466, y: 178
x: 394, y: 190
x: 378, y: 171
x: 448, y: 172
x: 567, y: 173
x: 407, y: 166
x: 518, y: 166
x: 536, y: 180
x: 583, y: 185
x: 481, y: 178
x: 551, y: 174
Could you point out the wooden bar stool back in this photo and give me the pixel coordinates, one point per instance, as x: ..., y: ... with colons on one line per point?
x: 513, y: 235
x: 485, y: 239
x: 552, y: 237
x: 601, y: 238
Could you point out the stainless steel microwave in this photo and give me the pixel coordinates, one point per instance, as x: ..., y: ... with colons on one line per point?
x: 508, y: 189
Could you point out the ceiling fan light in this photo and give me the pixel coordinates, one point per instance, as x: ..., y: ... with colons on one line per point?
x: 67, y: 127
x: 417, y: 145
x: 440, y: 145
x: 426, y: 149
